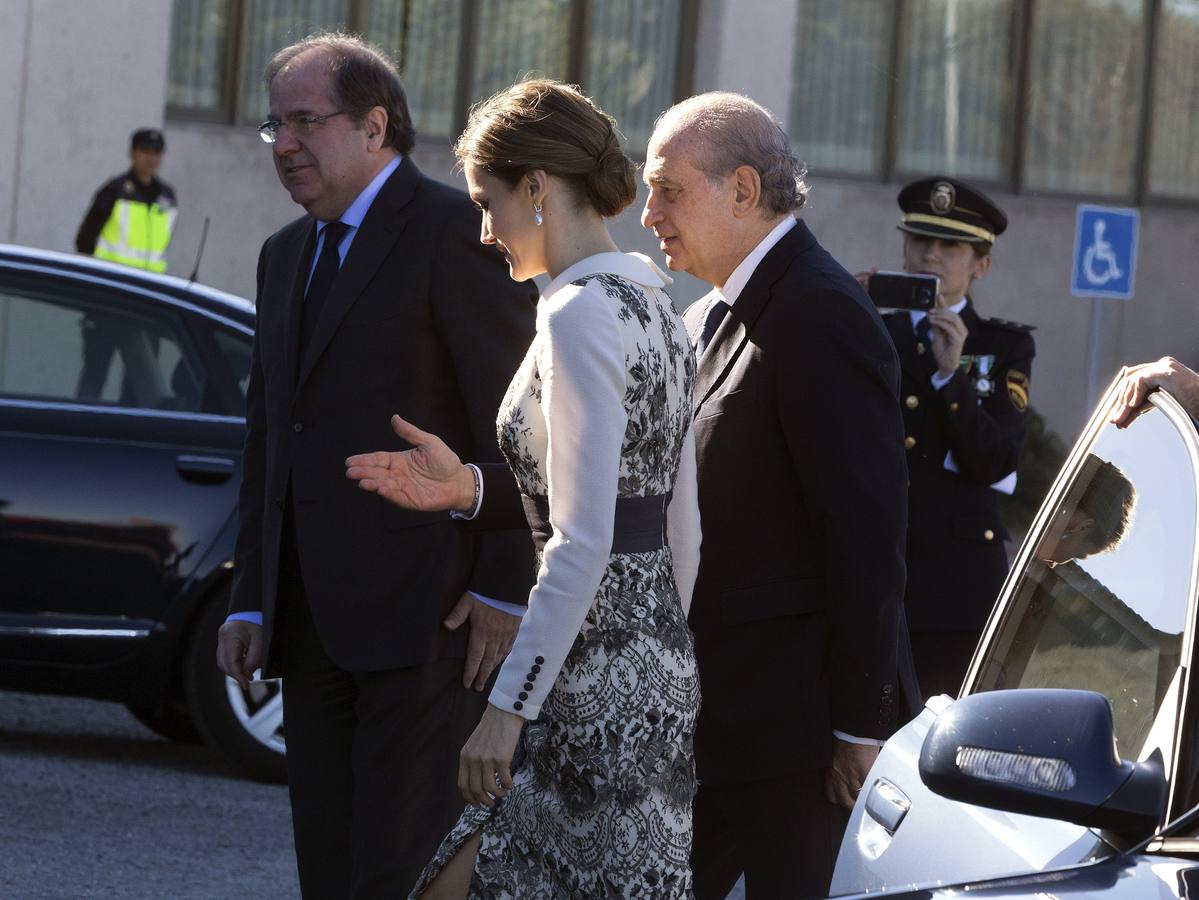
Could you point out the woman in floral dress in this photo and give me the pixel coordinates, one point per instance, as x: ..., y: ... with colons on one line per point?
x: 581, y: 774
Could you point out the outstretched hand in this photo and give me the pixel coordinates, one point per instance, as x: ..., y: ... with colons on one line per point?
x: 428, y: 478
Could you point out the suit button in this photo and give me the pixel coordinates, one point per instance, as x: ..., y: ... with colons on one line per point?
x: 911, y: 401
x: 989, y: 534
x: 297, y: 428
x: 953, y: 407
x: 528, y: 687
x: 909, y: 442
x: 518, y: 706
x: 539, y: 660
x: 888, y: 689
x: 523, y: 696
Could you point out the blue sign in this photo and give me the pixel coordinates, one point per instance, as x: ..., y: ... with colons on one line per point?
x: 1105, y: 252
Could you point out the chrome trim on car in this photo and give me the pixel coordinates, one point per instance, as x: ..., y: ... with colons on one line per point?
x: 33, y: 631
x: 123, y: 410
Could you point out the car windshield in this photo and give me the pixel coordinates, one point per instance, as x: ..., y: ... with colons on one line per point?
x: 1102, y: 603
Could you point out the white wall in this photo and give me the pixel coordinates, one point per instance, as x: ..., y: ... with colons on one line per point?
x: 90, y: 74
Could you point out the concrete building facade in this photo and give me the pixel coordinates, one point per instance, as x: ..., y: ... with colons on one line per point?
x: 76, y: 79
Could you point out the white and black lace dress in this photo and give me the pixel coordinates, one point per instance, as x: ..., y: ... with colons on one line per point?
x: 596, y: 428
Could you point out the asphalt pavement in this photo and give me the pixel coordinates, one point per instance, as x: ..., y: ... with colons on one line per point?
x: 92, y: 804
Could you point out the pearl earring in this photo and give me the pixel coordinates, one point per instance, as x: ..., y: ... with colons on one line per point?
x: 537, y: 217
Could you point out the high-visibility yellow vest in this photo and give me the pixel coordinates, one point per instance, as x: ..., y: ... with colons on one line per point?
x: 137, y: 234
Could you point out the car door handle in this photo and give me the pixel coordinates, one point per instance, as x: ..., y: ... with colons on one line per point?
x: 208, y: 469
x: 887, y: 804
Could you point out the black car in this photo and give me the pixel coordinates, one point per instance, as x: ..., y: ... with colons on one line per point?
x: 122, y: 399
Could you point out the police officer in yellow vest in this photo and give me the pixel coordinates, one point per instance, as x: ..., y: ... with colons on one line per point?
x: 131, y: 217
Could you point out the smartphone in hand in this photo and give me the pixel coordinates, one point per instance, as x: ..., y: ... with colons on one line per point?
x: 902, y: 290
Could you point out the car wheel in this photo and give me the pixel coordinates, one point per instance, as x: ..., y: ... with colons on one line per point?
x: 170, y: 721
x: 246, y: 726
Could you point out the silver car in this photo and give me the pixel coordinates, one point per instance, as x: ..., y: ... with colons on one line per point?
x: 1074, y: 738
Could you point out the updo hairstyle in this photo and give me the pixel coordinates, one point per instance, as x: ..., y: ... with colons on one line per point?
x: 544, y: 124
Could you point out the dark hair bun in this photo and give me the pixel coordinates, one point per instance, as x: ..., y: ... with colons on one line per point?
x: 611, y: 183
x: 548, y: 125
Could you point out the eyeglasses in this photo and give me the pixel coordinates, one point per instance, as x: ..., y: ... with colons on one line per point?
x: 299, y: 125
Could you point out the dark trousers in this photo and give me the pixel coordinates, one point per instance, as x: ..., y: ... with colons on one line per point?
x: 941, y: 659
x: 372, y: 760
x: 780, y: 833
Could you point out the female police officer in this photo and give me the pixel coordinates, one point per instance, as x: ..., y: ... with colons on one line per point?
x: 965, y: 394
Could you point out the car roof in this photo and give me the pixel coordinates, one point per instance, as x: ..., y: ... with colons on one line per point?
x: 206, y: 298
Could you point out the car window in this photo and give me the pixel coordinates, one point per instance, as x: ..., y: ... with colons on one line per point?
x: 1103, y: 602
x: 235, y: 348
x: 81, y: 351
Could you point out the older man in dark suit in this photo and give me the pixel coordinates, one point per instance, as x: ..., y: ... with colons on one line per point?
x: 380, y: 300
x: 802, y: 493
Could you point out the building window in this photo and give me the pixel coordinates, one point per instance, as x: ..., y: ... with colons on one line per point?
x: 423, y: 36
x: 1086, y: 84
x: 839, y: 84
x: 450, y: 53
x: 1174, y: 147
x: 632, y: 55
x: 1074, y: 97
x: 958, y: 69
x: 520, y: 37
x: 273, y: 24
x: 201, y: 50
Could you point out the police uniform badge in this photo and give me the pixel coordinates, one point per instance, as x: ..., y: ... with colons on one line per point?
x: 941, y: 198
x: 980, y: 373
x: 1017, y: 389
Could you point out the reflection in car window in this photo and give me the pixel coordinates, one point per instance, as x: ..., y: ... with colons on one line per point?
x: 1102, y: 604
x: 82, y: 352
x: 235, y: 348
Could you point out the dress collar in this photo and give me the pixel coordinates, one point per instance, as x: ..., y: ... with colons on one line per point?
x: 636, y: 267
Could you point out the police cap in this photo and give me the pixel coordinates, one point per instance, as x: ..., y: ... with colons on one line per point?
x: 147, y: 139
x: 949, y: 209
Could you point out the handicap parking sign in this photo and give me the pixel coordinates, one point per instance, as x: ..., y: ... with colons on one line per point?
x: 1105, y: 250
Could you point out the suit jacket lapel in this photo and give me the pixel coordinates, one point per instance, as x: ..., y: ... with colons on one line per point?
x: 733, y: 333
x: 384, y: 222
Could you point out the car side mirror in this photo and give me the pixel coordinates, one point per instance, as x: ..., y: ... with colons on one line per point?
x: 1043, y: 752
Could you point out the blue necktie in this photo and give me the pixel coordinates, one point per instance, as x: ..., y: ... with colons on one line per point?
x: 924, y: 333
x: 716, y: 313
x: 327, y: 265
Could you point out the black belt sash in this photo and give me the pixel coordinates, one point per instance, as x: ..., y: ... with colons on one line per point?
x: 639, y: 525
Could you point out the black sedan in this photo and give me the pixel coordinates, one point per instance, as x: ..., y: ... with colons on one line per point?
x: 122, y: 400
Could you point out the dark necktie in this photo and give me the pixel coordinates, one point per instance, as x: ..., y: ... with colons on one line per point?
x: 924, y: 332
x: 323, y: 276
x: 716, y: 313
x: 924, y: 337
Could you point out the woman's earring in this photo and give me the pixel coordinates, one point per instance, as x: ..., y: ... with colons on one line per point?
x: 537, y: 217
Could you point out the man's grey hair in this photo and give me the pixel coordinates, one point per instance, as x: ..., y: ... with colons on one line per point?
x: 732, y: 131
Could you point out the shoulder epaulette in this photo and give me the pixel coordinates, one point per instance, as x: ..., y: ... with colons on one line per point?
x: 1008, y: 325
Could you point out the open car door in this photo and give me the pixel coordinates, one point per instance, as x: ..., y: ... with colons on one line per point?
x: 1101, y: 597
